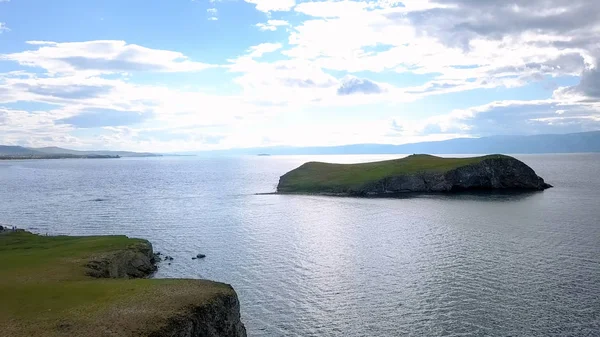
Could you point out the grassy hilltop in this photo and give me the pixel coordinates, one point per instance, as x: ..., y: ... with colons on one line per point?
x: 45, y: 290
x: 317, y: 176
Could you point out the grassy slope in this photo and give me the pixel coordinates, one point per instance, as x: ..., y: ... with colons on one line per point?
x: 316, y: 176
x: 44, y: 290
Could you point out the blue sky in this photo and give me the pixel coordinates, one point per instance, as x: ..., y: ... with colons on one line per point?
x: 185, y: 75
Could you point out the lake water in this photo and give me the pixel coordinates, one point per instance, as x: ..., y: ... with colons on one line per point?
x: 484, y: 265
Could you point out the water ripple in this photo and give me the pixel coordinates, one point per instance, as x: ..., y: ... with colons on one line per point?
x: 460, y: 265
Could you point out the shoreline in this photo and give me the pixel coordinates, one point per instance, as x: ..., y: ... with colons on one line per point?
x: 75, y: 285
x: 410, y: 194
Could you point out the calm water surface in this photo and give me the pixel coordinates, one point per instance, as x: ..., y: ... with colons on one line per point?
x: 486, y: 265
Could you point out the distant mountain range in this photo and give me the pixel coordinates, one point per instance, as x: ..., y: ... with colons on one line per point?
x: 19, y: 152
x: 58, y: 150
x: 562, y: 143
x: 551, y: 143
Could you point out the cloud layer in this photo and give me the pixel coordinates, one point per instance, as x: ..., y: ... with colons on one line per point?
x: 342, y: 71
x: 101, y: 57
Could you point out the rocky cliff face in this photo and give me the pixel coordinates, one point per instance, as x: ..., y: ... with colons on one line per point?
x: 490, y: 174
x: 416, y: 173
x: 219, y: 318
x: 137, y: 261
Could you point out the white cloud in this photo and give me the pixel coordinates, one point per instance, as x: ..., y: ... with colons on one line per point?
x: 104, y: 57
x: 357, y: 28
x: 520, y: 117
x: 263, y: 48
x: 3, y: 28
x: 352, y: 85
x: 272, y: 25
x: 283, y: 82
x: 273, y: 5
x: 35, y: 128
x: 463, y: 44
x: 213, y: 14
x: 332, y: 9
x: 165, y: 112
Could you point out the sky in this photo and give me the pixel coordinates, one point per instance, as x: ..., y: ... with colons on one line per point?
x: 193, y: 75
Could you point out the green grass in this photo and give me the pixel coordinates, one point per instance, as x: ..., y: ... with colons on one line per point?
x: 319, y: 177
x: 44, y: 290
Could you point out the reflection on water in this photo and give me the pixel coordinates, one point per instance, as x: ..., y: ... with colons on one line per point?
x: 432, y: 265
x: 486, y: 196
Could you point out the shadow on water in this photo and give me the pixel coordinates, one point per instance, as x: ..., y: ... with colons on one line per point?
x: 484, y: 195
x: 98, y: 200
x: 474, y: 195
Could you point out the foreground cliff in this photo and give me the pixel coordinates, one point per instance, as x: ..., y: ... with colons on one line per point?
x: 96, y: 286
x: 416, y: 174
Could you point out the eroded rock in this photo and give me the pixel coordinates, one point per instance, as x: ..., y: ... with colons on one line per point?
x: 218, y: 318
x: 489, y: 174
x: 138, y: 261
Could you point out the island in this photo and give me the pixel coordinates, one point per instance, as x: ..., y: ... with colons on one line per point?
x: 417, y: 173
x: 99, y: 286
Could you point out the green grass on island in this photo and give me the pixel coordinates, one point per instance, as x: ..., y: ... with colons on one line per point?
x: 318, y: 176
x: 44, y: 290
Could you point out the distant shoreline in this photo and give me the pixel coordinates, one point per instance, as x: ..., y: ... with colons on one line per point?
x: 58, y: 157
x: 12, y: 152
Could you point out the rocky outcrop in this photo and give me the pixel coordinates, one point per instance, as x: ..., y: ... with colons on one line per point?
x: 137, y: 261
x: 117, y: 307
x: 491, y: 173
x: 200, y: 315
x: 504, y: 173
x: 218, y: 318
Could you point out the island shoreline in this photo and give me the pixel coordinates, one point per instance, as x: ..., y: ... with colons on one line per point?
x: 409, y: 194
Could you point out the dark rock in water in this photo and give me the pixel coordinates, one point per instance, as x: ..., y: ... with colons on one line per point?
x: 194, y: 258
x: 200, y: 256
x: 98, y: 199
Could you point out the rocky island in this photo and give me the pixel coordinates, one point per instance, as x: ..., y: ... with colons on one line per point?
x: 98, y: 286
x: 415, y: 173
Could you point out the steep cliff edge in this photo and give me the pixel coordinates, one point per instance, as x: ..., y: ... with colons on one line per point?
x: 135, y: 261
x: 416, y: 174
x: 96, y: 286
x: 218, y: 317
